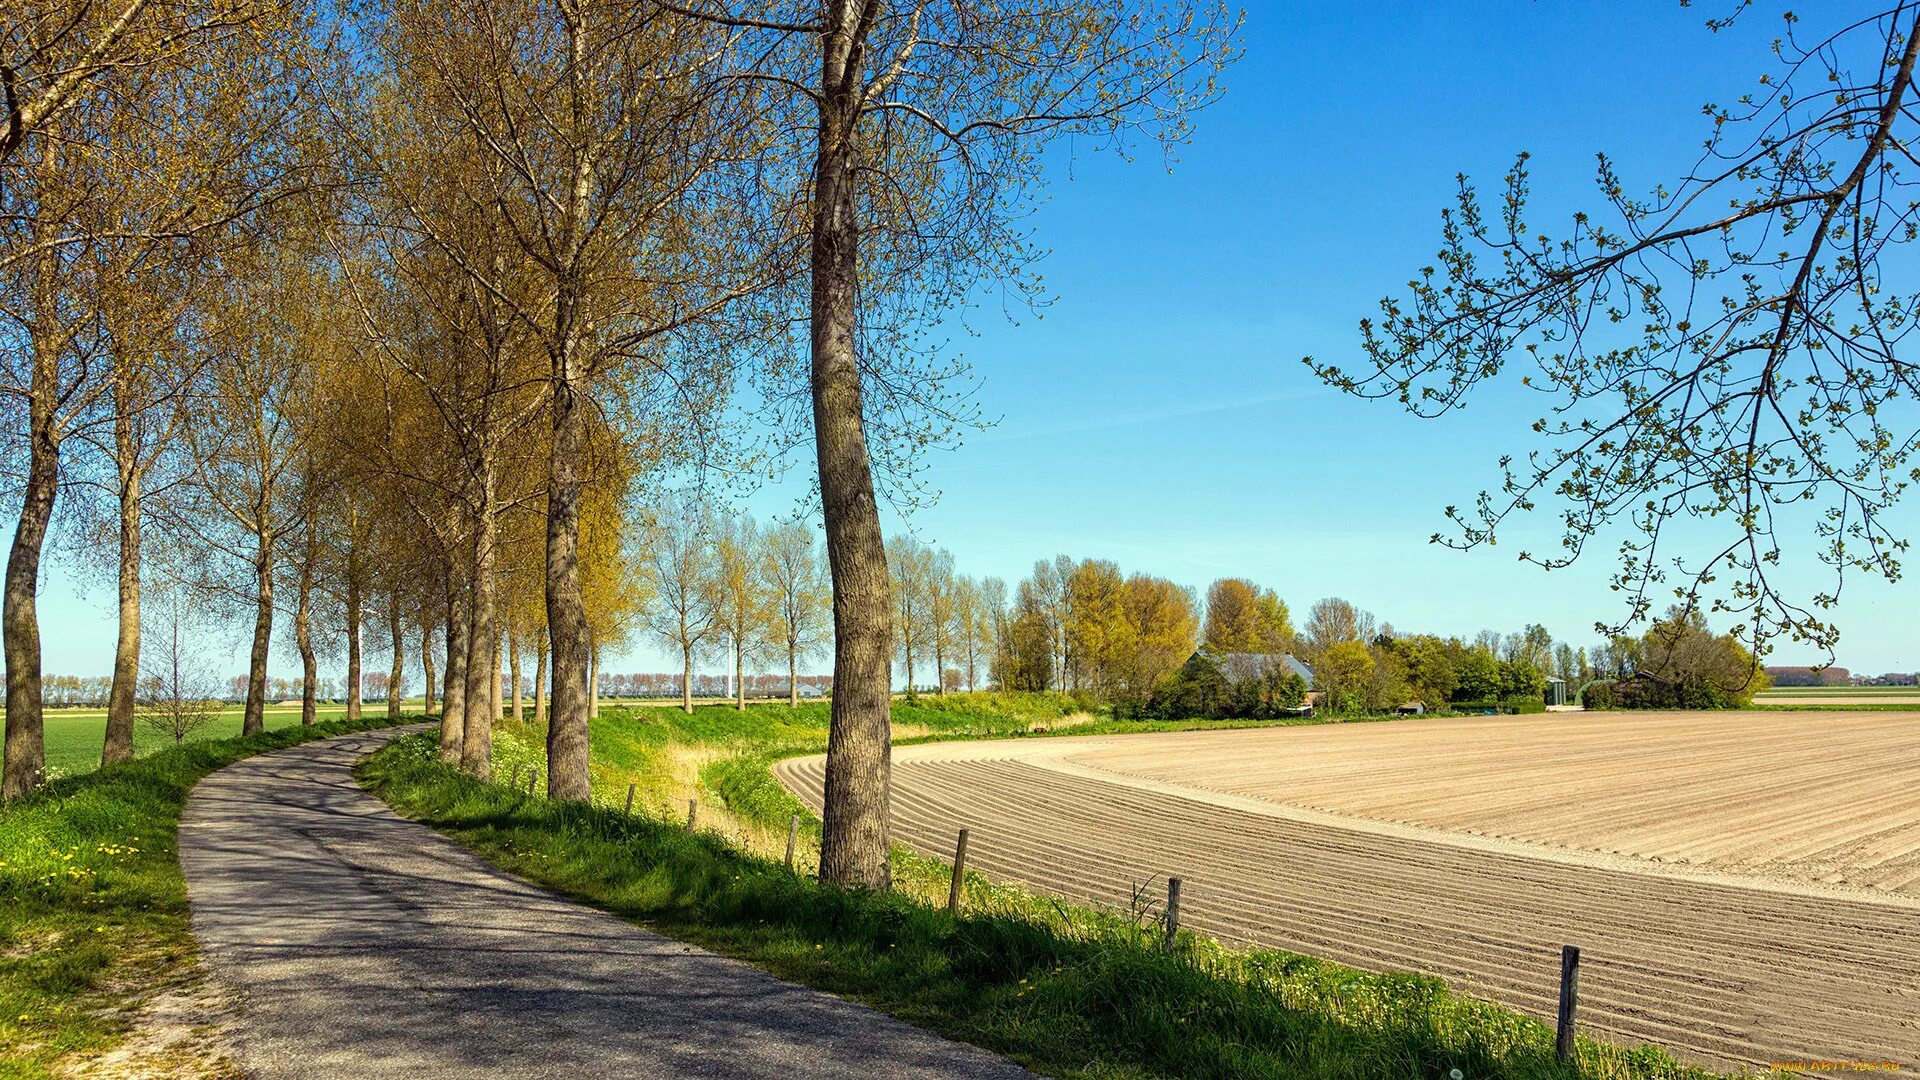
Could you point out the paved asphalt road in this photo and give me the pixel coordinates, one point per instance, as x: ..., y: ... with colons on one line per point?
x: 364, y: 945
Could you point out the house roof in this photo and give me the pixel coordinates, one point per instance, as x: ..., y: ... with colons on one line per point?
x: 1241, y: 666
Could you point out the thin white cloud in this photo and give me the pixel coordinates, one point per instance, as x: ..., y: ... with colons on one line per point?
x: 1137, y: 419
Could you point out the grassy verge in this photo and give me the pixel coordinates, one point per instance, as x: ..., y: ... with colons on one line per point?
x: 1065, y: 989
x: 93, y: 909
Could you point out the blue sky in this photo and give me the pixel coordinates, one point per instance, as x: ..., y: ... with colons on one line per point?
x: 1159, y: 414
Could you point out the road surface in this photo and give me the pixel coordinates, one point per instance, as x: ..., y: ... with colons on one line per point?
x: 368, y: 946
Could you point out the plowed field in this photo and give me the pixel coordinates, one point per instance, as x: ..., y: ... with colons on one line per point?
x: 1745, y: 887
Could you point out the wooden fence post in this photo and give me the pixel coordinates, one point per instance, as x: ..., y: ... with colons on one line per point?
x: 532, y: 775
x: 515, y: 782
x: 629, y: 808
x: 959, y: 872
x: 693, y: 810
x: 1173, y: 911
x: 1569, y: 1002
x: 793, y: 834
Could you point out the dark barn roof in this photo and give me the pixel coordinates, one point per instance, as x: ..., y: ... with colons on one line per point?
x: 1238, y: 667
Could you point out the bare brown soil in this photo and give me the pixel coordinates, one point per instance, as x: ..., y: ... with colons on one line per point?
x: 1816, y: 797
x: 1742, y: 885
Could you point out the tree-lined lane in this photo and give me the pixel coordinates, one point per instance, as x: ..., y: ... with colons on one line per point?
x: 365, y: 945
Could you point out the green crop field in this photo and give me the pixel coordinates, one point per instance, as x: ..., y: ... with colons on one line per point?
x: 74, y: 736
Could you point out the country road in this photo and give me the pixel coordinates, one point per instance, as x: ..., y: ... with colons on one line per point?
x: 368, y: 946
x: 1716, y: 968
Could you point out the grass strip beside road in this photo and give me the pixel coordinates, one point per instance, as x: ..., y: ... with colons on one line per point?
x: 93, y: 908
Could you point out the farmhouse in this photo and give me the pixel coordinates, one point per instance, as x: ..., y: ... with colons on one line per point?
x: 1238, y: 667
x: 1243, y: 667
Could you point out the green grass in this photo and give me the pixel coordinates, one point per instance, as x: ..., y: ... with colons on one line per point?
x: 74, y: 736
x: 93, y: 909
x: 1067, y: 990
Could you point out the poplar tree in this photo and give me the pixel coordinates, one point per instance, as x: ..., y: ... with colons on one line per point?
x: 620, y: 173
x: 794, y: 574
x: 920, y: 151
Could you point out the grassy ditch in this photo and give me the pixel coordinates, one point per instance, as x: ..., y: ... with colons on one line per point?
x: 1065, y: 989
x: 93, y: 909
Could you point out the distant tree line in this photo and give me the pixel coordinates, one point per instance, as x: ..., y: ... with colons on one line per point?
x: 1810, y: 676
x: 669, y: 684
x: 1838, y: 676
x: 1151, y: 647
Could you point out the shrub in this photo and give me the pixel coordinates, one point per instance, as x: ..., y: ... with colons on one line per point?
x: 1519, y: 679
x: 1502, y: 706
x: 1686, y: 693
x: 1601, y: 695
x: 1201, y: 690
x: 1478, y: 677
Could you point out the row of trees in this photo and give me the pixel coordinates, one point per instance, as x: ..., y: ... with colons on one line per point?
x: 431, y: 284
x: 671, y: 684
x: 1809, y: 676
x: 721, y: 584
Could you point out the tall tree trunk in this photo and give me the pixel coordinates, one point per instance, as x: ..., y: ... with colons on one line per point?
x: 513, y: 672
x: 397, y: 674
x: 494, y: 682
x: 570, y: 709
x: 686, y: 678
x: 26, y: 755
x: 23, y: 761
x: 854, y: 838
x: 126, y: 648
x: 354, y: 613
x: 427, y: 666
x: 303, y: 641
x: 253, y: 717
x: 793, y: 676
x: 453, y: 711
x: 739, y: 675
x: 483, y: 637
x: 540, y: 689
x: 568, y: 730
